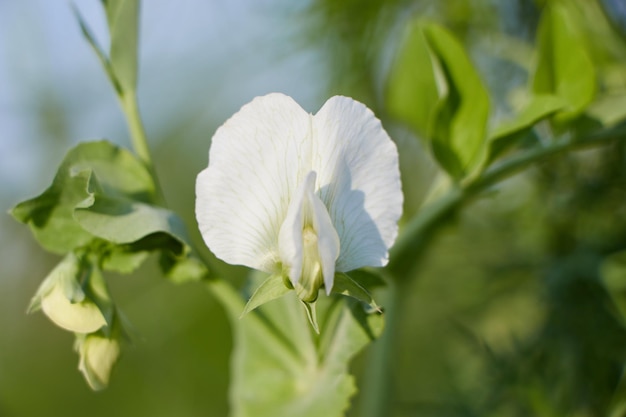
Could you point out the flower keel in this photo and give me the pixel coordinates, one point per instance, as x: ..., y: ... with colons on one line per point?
x: 308, y: 242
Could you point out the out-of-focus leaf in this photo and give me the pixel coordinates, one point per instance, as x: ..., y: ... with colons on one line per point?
x: 609, y: 109
x: 613, y: 273
x: 412, y: 93
x: 123, y: 20
x: 280, y: 368
x: 437, y: 91
x: 508, y: 133
x: 459, y: 127
x: 564, y: 68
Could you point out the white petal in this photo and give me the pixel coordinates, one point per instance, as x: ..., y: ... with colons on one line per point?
x: 359, y: 180
x: 254, y: 168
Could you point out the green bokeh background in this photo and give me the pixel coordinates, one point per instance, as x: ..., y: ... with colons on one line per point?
x: 507, y: 315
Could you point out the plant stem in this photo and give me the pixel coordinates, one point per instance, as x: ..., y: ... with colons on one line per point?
x: 128, y: 100
x: 377, y: 386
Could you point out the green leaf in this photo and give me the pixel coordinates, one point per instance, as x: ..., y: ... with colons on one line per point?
x: 103, y: 197
x: 123, y: 221
x: 345, y: 285
x: 412, y: 94
x: 91, y: 39
x: 51, y: 215
x: 460, y: 123
x: 510, y: 132
x: 123, y: 20
x: 280, y: 368
x: 272, y: 288
x: 564, y: 67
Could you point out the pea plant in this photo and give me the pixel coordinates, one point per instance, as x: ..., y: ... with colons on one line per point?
x: 312, y: 204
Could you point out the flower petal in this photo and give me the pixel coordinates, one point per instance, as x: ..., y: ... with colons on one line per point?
x: 359, y: 181
x: 254, y: 168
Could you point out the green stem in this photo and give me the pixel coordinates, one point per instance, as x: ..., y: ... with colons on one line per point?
x: 128, y: 100
x: 376, y: 389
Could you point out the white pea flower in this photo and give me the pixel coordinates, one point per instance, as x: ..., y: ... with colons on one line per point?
x: 299, y: 195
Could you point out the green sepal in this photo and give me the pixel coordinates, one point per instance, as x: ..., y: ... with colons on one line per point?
x: 345, y: 285
x: 272, y: 288
x: 311, y: 314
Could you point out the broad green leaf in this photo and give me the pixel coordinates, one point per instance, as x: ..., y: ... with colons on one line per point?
x: 280, y: 368
x: 412, y: 93
x: 123, y: 221
x: 564, y: 67
x: 510, y: 132
x: 272, y: 288
x: 102, y: 197
x: 345, y: 285
x: 458, y: 129
x: 62, y: 298
x: 51, y: 215
x: 123, y: 20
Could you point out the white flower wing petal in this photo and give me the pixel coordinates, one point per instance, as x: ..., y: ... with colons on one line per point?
x: 359, y: 180
x: 254, y: 167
